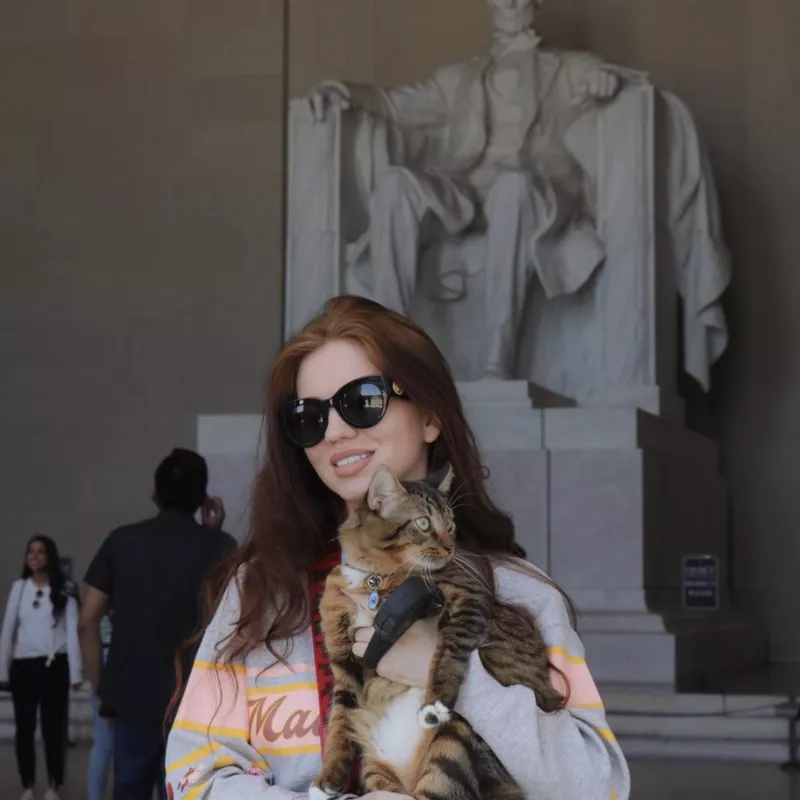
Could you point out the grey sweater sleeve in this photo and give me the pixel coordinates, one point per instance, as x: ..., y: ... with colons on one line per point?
x: 209, y: 752
x: 566, y: 755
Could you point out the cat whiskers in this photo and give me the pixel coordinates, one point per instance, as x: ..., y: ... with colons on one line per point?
x: 417, y: 564
x: 465, y: 564
x: 399, y: 567
x: 461, y: 491
x: 426, y: 572
x: 458, y: 499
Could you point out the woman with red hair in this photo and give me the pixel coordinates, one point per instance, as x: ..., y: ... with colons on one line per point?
x: 360, y: 387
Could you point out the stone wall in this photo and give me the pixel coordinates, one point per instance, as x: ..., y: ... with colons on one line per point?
x: 140, y: 237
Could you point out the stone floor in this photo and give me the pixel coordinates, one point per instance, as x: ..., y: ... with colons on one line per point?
x: 652, y: 780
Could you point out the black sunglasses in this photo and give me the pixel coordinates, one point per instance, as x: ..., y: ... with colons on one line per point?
x: 362, y: 403
x: 38, y: 601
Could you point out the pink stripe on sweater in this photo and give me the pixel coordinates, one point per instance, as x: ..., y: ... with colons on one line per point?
x: 582, y: 688
x: 216, y: 698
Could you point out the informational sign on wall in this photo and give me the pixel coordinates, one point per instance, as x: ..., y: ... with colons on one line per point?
x: 701, y: 583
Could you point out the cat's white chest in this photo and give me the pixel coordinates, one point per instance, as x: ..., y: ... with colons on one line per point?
x: 398, y: 732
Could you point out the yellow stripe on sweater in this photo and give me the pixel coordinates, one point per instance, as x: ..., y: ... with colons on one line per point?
x: 607, y: 734
x: 213, y: 666
x: 213, y: 730
x: 193, y: 757
x: 195, y: 791
x: 229, y: 761
x: 285, y: 689
x: 302, y: 750
x: 560, y: 651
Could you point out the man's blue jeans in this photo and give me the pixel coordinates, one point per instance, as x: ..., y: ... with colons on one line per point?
x: 100, y: 757
x: 139, y: 751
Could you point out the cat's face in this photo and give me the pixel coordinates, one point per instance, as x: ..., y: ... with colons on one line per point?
x: 402, y: 525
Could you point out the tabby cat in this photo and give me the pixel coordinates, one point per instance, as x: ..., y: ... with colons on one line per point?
x: 411, y: 741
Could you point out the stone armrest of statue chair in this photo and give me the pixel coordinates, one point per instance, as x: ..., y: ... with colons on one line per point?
x: 614, y: 342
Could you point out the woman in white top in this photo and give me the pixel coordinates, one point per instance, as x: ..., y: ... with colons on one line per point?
x: 40, y: 658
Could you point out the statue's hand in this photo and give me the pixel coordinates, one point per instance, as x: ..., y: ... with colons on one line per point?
x: 329, y: 94
x: 600, y: 84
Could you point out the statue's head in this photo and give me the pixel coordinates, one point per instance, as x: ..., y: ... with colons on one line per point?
x: 513, y: 16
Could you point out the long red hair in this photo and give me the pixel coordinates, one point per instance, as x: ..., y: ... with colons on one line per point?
x: 295, y: 517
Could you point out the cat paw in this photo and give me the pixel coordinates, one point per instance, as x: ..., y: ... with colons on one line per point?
x: 433, y: 715
x: 318, y: 793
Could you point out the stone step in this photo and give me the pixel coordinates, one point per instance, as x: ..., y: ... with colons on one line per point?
x: 627, y: 622
x: 662, y: 700
x: 705, y: 750
x: 700, y: 726
x: 657, y: 722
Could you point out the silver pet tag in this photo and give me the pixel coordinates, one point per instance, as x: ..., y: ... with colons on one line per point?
x: 374, y: 582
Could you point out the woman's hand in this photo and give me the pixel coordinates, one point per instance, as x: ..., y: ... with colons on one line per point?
x: 409, y: 660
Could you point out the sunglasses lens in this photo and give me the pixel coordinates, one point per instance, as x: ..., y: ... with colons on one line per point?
x: 363, y: 404
x: 305, y: 422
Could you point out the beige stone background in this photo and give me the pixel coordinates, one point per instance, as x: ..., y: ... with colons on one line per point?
x: 140, y: 221
x: 140, y: 246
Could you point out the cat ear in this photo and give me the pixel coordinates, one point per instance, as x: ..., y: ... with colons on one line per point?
x: 385, y: 492
x: 443, y: 479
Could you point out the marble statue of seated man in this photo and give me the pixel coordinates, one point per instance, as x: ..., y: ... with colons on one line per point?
x: 495, y: 126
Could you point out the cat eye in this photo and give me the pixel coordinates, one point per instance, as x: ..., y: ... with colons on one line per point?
x: 423, y: 523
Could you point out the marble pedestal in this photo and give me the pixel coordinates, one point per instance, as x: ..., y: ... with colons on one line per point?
x: 606, y: 500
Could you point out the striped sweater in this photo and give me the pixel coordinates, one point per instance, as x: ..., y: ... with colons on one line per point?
x: 251, y: 732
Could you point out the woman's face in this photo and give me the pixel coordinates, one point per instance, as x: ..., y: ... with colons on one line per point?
x: 37, y: 556
x: 399, y: 441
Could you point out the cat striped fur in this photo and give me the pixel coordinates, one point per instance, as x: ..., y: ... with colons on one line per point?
x: 412, y: 741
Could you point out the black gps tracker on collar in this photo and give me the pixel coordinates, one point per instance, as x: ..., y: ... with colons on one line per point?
x: 412, y: 600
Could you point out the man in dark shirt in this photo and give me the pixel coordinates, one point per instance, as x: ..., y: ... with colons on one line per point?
x: 150, y: 576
